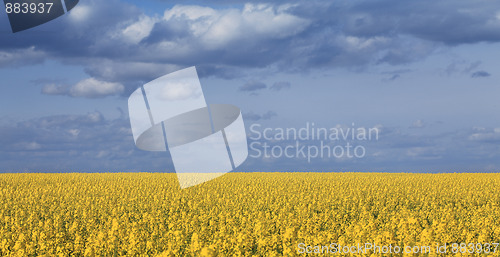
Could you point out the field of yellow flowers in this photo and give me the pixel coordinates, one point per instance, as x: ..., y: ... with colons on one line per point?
x: 245, y: 214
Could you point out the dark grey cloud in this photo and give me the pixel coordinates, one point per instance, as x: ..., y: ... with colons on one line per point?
x: 399, y: 71
x: 396, y: 150
x: 461, y: 67
x: 84, y: 32
x: 91, y: 142
x: 393, y: 77
x: 449, y: 22
x: 13, y: 58
x: 75, y: 143
x: 480, y: 74
x: 278, y: 86
x: 472, y: 66
x: 117, y: 42
x: 395, y: 74
x: 252, y: 86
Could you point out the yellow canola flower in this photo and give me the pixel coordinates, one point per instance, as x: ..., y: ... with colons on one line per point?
x: 243, y: 214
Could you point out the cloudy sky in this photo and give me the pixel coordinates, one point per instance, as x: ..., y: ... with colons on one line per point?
x: 424, y: 73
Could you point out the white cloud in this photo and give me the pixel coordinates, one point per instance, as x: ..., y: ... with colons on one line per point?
x: 137, y: 31
x: 217, y: 28
x: 74, y: 132
x: 418, y: 124
x: 80, y: 13
x: 224, y: 30
x: 274, y: 22
x: 191, y: 12
x: 89, y: 88
x: 94, y: 117
x: 484, y: 135
x: 93, y: 88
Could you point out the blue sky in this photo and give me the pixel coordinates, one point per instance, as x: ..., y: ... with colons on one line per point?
x: 423, y: 72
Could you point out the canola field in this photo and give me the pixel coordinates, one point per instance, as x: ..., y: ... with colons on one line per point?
x: 244, y: 214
